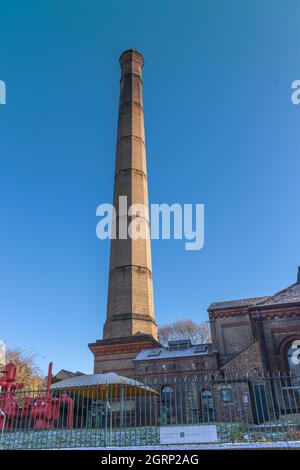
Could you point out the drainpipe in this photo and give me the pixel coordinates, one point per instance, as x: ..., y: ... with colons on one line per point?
x: 260, y: 335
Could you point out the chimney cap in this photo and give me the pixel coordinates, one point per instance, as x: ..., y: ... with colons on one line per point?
x: 131, y: 54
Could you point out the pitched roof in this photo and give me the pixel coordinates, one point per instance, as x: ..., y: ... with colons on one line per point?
x: 289, y: 295
x: 165, y: 353
x: 236, y: 303
x: 69, y: 373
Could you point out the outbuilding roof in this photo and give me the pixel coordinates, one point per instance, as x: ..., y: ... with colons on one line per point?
x: 165, y: 353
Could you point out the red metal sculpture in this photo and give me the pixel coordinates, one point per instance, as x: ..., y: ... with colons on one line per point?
x: 24, y: 410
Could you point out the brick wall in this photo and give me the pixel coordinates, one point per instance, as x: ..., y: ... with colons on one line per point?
x: 231, y: 332
x: 247, y: 362
x: 176, y: 366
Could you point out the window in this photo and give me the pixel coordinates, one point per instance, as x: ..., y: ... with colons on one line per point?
x: 167, y: 396
x: 293, y: 359
x: 207, y: 406
x: 226, y: 395
x: 293, y: 354
x: 167, y: 404
x: 154, y: 353
x: 201, y: 348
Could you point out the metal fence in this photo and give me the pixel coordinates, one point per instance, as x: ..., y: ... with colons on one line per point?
x: 237, y: 409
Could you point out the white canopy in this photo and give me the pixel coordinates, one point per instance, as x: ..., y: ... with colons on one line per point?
x: 97, y: 386
x: 95, y: 379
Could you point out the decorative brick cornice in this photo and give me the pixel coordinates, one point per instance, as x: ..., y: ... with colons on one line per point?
x: 132, y: 316
x: 130, y: 267
x: 127, y: 345
x: 275, y: 313
x: 286, y: 329
x: 131, y: 55
x: 129, y: 169
x: 130, y: 137
x: 117, y: 349
x: 132, y: 102
x: 227, y: 313
x: 269, y: 311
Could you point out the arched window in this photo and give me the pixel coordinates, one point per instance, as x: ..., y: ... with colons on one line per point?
x: 290, y: 364
x: 293, y: 358
x: 207, y: 405
x: 293, y: 362
x: 167, y: 404
x: 167, y: 395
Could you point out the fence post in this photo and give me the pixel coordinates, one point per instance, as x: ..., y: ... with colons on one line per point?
x: 3, y: 425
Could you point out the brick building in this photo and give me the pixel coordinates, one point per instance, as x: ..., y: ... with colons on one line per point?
x: 273, y: 323
x: 249, y: 337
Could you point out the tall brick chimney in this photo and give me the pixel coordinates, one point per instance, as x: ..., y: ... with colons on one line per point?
x: 130, y: 325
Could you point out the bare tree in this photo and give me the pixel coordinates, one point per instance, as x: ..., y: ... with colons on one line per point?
x: 197, y: 333
x: 28, y: 372
x: 165, y: 334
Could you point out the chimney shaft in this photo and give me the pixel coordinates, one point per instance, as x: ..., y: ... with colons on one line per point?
x: 130, y: 309
x: 298, y: 277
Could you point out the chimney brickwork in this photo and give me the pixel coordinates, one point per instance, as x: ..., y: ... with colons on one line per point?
x: 130, y: 308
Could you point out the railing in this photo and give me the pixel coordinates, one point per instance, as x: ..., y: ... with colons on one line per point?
x: 236, y: 409
x: 3, y: 418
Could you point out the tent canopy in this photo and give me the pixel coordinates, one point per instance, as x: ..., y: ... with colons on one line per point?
x: 100, y: 386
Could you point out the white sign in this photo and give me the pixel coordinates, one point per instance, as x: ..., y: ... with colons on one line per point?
x: 188, y: 434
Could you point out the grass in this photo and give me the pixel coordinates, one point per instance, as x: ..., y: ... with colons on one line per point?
x: 49, y: 439
x: 281, y: 430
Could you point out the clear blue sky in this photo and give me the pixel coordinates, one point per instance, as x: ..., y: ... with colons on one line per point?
x: 221, y: 130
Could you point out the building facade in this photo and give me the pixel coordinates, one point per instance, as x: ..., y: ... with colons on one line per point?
x: 250, y: 370
x: 250, y: 337
x: 272, y: 322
